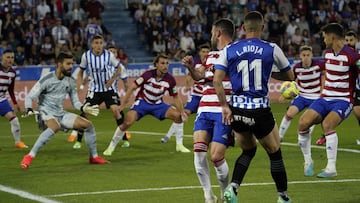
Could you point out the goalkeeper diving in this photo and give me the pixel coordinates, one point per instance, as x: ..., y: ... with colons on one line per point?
x: 50, y: 92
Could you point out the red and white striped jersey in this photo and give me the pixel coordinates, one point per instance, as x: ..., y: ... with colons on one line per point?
x: 7, y: 83
x: 209, y: 101
x: 152, y: 90
x: 309, y: 79
x: 341, y: 73
x: 197, y: 88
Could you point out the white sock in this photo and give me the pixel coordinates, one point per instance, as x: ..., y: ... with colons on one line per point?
x: 15, y: 129
x: 284, y: 125
x: 311, y: 129
x: 74, y: 132
x: 118, y: 135
x: 179, y: 132
x: 331, y: 150
x: 222, y: 174
x: 304, y: 139
x: 203, y: 173
x: 171, y: 131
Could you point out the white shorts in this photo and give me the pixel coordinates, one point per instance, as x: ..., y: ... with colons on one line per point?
x: 66, y: 121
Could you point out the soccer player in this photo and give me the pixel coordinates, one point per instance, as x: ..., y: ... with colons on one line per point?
x: 153, y: 84
x: 249, y: 64
x: 99, y: 64
x: 51, y: 91
x: 209, y: 129
x: 196, y: 92
x: 7, y: 83
x: 351, y: 40
x: 123, y: 76
x: 308, y: 75
x: 336, y: 100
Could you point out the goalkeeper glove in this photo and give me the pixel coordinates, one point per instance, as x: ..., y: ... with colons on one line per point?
x: 30, y: 112
x: 93, y: 110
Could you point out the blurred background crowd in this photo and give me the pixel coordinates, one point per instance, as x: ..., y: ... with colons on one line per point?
x: 39, y: 29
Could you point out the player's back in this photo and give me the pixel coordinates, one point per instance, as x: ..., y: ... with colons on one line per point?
x: 250, y: 63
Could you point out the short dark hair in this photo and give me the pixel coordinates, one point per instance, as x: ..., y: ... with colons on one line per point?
x: 97, y: 37
x: 111, y: 46
x: 226, y: 26
x: 253, y: 21
x: 351, y: 33
x: 8, y: 50
x: 333, y: 28
x: 160, y: 55
x: 62, y: 56
x: 204, y: 46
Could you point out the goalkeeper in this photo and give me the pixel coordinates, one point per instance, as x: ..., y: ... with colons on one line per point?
x: 51, y: 91
x: 308, y: 74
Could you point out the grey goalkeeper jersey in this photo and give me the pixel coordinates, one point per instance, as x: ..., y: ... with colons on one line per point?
x: 51, y: 93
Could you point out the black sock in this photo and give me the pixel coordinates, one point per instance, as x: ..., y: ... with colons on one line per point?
x: 80, y: 135
x: 278, y: 171
x: 125, y: 137
x: 241, y: 166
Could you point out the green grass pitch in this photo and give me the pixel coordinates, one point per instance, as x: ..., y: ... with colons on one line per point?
x: 149, y: 171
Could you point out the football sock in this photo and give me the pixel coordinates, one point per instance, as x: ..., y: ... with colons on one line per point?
x: 311, y: 129
x: 284, y: 195
x: 331, y: 150
x: 15, y: 129
x: 222, y: 173
x: 179, y: 132
x: 118, y: 135
x: 91, y: 140
x: 80, y: 135
x: 241, y: 166
x: 171, y: 131
x: 284, y: 125
x: 278, y: 172
x: 202, y: 168
x: 304, y: 139
x: 44, y: 138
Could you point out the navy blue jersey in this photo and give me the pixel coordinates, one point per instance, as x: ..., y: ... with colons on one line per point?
x: 249, y: 64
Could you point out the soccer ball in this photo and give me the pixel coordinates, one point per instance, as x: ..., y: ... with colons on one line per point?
x: 289, y: 89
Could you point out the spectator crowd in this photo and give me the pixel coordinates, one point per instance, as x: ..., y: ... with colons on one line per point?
x: 178, y: 27
x: 37, y: 30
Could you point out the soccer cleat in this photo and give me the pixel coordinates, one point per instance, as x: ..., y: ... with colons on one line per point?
x: 128, y: 135
x: 281, y: 200
x: 309, y: 169
x: 327, y: 174
x: 77, y: 145
x: 72, y: 137
x: 213, y: 199
x: 21, y: 145
x: 321, y: 140
x: 229, y: 195
x: 182, y: 148
x: 358, y: 141
x: 98, y: 160
x: 26, y: 161
x: 108, y: 151
x: 126, y: 144
x: 164, y: 139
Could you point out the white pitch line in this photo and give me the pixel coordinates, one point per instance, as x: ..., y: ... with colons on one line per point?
x: 283, y: 143
x: 196, y: 187
x: 26, y: 195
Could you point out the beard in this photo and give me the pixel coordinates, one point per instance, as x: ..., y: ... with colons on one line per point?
x: 66, y: 72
